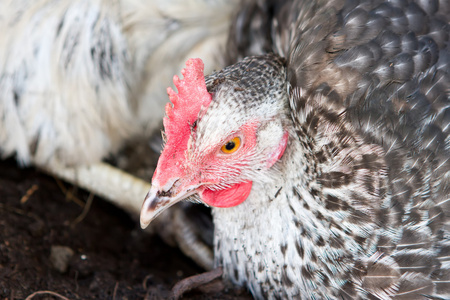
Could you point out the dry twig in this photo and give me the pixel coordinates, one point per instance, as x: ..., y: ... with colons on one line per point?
x: 69, y: 195
x: 29, y: 193
x: 45, y: 293
x: 115, y: 290
x: 85, y: 211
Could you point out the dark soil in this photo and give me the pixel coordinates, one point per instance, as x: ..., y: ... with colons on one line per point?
x: 112, y: 258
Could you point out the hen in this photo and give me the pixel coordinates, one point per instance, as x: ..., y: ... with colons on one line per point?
x: 328, y: 170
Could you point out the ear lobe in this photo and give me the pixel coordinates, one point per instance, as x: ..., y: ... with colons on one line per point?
x: 279, y: 151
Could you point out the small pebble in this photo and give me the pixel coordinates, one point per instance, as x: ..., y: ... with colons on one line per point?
x: 60, y: 257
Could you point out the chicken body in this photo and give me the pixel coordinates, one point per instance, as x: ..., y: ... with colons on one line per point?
x: 360, y: 208
x: 323, y: 222
x: 356, y: 205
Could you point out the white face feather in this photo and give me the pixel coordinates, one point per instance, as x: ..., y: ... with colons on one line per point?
x: 227, y: 117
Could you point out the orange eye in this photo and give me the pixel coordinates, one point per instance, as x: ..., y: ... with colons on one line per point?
x: 231, y: 146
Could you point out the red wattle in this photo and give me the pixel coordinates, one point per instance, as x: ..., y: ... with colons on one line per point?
x: 229, y: 197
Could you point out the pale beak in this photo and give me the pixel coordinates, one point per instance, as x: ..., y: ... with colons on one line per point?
x: 157, y: 201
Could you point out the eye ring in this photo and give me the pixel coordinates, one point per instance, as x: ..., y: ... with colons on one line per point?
x: 231, y: 146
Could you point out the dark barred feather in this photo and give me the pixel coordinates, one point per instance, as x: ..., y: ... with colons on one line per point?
x: 370, y: 99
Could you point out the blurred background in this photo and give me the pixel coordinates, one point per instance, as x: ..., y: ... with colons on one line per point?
x: 82, y: 95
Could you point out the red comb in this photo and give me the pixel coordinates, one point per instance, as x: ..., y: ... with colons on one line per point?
x: 192, y: 96
x: 181, y: 115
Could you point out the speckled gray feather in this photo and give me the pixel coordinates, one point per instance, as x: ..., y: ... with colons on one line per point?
x: 360, y: 208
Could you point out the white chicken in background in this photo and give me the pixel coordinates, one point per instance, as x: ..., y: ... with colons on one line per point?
x: 79, y: 78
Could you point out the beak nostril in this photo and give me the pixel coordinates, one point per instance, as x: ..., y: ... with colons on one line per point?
x: 165, y: 193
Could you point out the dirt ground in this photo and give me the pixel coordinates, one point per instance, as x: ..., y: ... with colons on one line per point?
x: 46, y: 244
